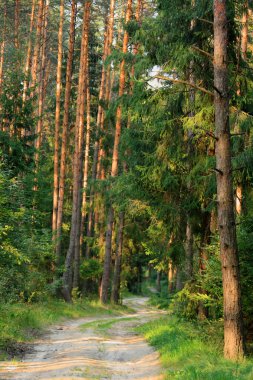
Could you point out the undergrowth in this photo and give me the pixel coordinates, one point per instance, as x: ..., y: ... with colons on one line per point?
x: 193, y: 350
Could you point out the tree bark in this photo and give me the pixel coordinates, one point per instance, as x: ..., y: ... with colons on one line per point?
x: 83, y: 103
x: 41, y: 82
x: 37, y: 46
x: 170, y: 276
x: 2, y: 48
x: 188, y: 251
x: 233, y: 325
x: 100, y: 118
x: 65, y: 128
x: 114, y: 170
x: 16, y: 25
x: 57, y: 121
x: 73, y: 253
x: 29, y: 51
x: 245, y: 30
x: 239, y: 197
x: 118, y: 260
x: 105, y: 284
x: 86, y: 157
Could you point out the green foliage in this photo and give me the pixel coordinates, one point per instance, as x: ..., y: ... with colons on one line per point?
x: 91, y: 269
x: 193, y: 351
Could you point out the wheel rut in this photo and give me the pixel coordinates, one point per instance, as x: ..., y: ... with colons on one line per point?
x: 92, y: 348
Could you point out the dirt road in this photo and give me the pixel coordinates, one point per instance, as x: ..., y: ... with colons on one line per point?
x: 92, y: 348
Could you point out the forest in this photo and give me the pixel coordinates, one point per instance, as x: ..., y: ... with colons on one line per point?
x: 126, y: 170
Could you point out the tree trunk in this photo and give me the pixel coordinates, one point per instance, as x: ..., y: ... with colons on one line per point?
x: 233, y: 325
x: 118, y: 260
x: 2, y: 49
x: 188, y: 251
x: 16, y: 25
x: 170, y: 276
x: 107, y: 86
x: 65, y: 127
x: 57, y: 121
x: 83, y: 103
x: 244, y: 48
x: 245, y: 30
x: 29, y: 51
x: 114, y: 171
x: 86, y: 159
x: 238, y: 200
x: 73, y: 253
x: 41, y: 82
x: 105, y: 285
x: 37, y: 46
x: 100, y: 119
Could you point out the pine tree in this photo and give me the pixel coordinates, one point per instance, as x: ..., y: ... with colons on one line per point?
x: 233, y: 334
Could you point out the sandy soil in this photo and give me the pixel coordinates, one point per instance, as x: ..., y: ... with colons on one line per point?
x: 70, y: 351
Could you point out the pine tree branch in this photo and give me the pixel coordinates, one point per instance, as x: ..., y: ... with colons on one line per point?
x: 203, y: 52
x: 204, y: 20
x: 179, y: 81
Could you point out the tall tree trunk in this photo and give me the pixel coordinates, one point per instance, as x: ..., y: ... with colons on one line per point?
x: 16, y: 25
x: 245, y: 30
x: 106, y: 92
x: 83, y: 103
x: 29, y: 51
x: 105, y: 285
x: 100, y: 119
x: 57, y: 121
x: 244, y: 48
x: 41, y: 82
x: 2, y: 48
x: 73, y: 253
x: 2, y: 54
x: 37, y: 46
x: 233, y: 325
x: 118, y: 260
x: 189, y: 237
x: 86, y: 158
x: 65, y: 127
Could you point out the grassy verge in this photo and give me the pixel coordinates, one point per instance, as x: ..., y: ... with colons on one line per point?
x: 193, y: 351
x: 21, y: 323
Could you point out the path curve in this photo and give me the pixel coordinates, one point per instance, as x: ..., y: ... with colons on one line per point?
x: 70, y: 351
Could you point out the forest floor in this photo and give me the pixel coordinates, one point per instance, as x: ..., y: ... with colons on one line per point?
x: 98, y: 347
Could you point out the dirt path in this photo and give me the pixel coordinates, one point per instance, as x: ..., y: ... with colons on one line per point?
x: 106, y: 348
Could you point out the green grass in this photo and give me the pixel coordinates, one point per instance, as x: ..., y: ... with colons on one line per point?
x: 21, y: 323
x: 193, y: 351
x: 103, y: 326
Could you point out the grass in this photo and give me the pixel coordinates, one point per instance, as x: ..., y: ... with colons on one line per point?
x: 21, y: 323
x: 193, y: 351
x: 103, y: 326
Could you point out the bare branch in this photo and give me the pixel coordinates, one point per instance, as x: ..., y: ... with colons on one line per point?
x: 202, y: 52
x: 206, y: 21
x: 179, y: 81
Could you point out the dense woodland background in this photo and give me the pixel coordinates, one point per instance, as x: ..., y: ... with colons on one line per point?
x: 110, y: 149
